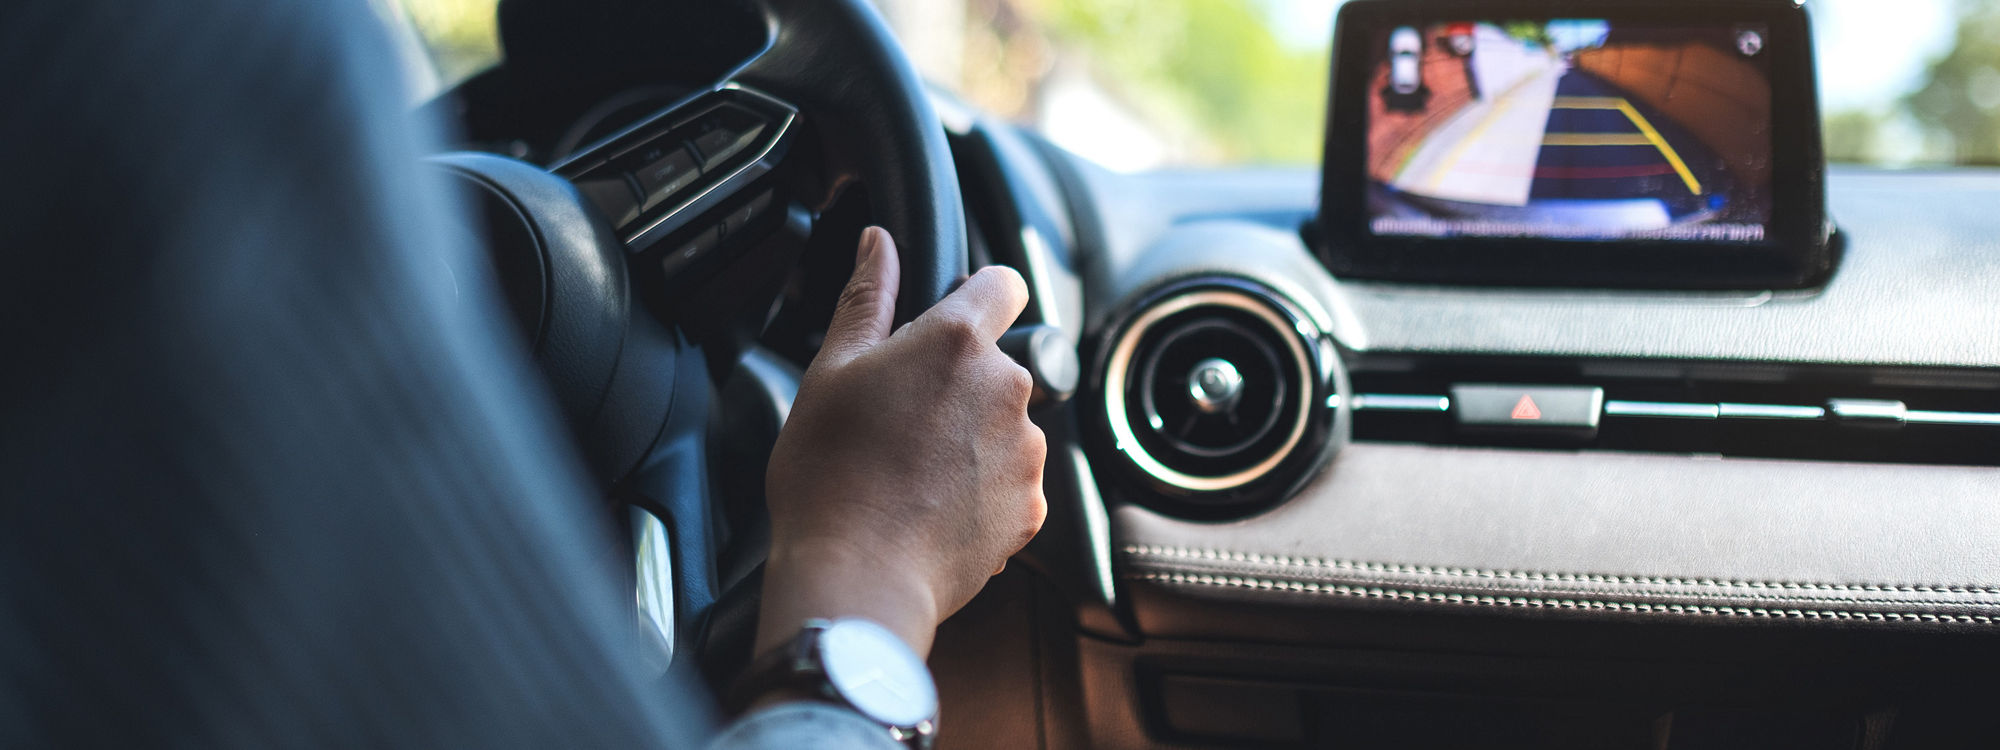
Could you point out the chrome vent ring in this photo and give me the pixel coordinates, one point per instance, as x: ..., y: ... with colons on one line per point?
x: 1215, y: 389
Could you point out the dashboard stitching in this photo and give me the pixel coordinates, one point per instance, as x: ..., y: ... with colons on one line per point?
x: 1376, y: 592
x: 1187, y: 553
x: 1504, y: 588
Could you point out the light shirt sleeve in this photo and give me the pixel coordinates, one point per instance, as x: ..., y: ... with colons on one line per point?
x: 805, y: 725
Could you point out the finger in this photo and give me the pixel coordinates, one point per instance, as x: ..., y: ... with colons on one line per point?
x: 867, y: 305
x: 989, y: 302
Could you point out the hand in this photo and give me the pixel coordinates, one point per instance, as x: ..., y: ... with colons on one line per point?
x: 908, y: 471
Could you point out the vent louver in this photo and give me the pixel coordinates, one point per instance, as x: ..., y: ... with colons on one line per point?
x: 1215, y: 391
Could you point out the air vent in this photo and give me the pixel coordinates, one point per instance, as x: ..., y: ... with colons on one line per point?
x: 1217, y: 392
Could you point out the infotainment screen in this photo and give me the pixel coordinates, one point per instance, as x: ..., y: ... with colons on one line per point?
x: 1570, y: 129
x: 1650, y: 143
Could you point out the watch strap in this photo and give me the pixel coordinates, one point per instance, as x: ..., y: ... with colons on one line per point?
x: 790, y: 667
x: 796, y: 668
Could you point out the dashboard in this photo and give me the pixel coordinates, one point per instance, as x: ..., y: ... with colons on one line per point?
x: 1642, y: 482
x: 1301, y: 502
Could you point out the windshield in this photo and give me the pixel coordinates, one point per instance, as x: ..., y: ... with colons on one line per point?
x: 459, y: 38
x: 1145, y: 84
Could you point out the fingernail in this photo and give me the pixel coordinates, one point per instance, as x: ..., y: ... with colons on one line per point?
x: 871, y: 241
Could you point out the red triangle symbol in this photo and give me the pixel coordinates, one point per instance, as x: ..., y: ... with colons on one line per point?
x: 1526, y: 409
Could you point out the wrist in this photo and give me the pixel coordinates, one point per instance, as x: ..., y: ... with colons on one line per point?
x: 831, y: 580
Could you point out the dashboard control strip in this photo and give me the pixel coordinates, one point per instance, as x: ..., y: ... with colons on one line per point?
x: 1797, y: 600
x: 1846, y: 410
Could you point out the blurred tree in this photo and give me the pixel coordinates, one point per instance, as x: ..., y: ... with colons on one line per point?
x: 1005, y: 58
x: 1215, y: 64
x: 1852, y: 136
x: 462, y: 36
x: 1959, y: 101
x: 1528, y: 31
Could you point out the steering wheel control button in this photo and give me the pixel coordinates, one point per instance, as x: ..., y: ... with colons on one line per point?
x: 725, y: 134
x: 1529, y: 409
x: 1214, y: 386
x: 690, y: 253
x: 613, y: 195
x: 739, y: 134
x: 751, y: 211
x: 672, y: 171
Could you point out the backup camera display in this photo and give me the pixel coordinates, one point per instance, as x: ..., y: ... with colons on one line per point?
x: 1570, y: 129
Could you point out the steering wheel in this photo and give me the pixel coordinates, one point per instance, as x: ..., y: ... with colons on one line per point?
x: 600, y: 255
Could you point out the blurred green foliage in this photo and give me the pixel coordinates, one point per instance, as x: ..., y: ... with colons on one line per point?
x: 1528, y: 31
x: 1852, y: 135
x: 1213, y: 64
x: 461, y: 36
x: 1953, y: 116
x: 1217, y: 71
x: 1959, y: 102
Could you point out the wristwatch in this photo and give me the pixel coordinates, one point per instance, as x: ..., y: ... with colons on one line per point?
x: 857, y: 664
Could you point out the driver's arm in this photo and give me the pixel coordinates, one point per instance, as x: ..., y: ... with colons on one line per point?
x: 272, y: 472
x: 906, y: 475
x: 908, y: 471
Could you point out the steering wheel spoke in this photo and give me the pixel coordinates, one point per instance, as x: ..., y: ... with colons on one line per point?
x: 692, y: 183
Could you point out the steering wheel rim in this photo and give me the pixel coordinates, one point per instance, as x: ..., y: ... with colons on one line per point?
x: 627, y: 385
x: 840, y: 64
x: 577, y: 288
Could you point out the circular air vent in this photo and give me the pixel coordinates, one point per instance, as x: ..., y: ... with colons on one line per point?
x: 1218, y: 389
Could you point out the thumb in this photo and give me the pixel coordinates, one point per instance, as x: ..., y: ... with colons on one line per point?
x: 867, y: 306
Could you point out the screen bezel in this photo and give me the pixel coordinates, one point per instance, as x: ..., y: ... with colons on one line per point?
x: 1796, y: 252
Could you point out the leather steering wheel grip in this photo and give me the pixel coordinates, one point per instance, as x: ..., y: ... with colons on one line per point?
x: 838, y: 62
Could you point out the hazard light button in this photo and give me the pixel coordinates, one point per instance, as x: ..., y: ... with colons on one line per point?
x: 1540, y: 409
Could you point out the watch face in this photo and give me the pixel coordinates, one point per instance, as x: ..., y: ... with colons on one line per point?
x: 877, y: 673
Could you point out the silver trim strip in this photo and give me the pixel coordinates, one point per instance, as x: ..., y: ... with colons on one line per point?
x: 1951, y: 417
x: 1771, y: 411
x: 1849, y: 409
x: 1096, y: 524
x: 1661, y: 409
x: 1400, y: 402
